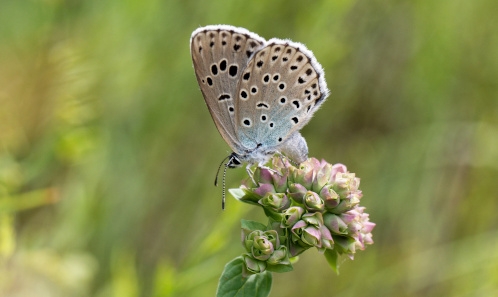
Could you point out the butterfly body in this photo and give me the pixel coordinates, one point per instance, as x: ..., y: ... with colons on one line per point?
x: 259, y: 93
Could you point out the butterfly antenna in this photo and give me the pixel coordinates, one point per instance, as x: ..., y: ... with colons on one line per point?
x: 218, y: 171
x: 223, y: 184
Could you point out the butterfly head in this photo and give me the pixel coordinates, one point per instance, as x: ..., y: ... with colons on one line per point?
x: 234, y: 160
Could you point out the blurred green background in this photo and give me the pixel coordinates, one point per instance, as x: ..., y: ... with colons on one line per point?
x: 108, y: 153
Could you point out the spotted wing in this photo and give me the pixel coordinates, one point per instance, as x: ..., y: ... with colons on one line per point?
x: 279, y: 91
x: 220, y: 54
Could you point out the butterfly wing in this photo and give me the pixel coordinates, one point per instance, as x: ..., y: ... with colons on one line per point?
x: 220, y: 55
x: 279, y: 91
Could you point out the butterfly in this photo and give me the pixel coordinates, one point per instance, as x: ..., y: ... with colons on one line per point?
x: 259, y: 93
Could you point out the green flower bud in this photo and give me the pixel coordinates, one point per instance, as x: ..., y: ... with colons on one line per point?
x: 313, y: 202
x: 305, y: 235
x: 261, y: 244
x: 291, y: 216
x: 323, y: 176
x: 262, y: 248
x: 263, y: 189
x: 327, y: 242
x: 249, y: 238
x: 280, y: 181
x: 253, y: 265
x: 345, y: 245
x: 307, y: 230
x: 303, y: 175
x: 275, y: 201
x: 297, y: 192
x: 263, y: 176
x: 347, y: 203
x: 335, y: 224
x: 330, y: 197
x: 279, y: 256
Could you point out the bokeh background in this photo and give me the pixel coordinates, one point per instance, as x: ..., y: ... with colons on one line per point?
x: 108, y: 153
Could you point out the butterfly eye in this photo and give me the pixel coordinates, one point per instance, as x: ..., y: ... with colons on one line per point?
x: 283, y: 100
x: 281, y: 86
x: 264, y: 118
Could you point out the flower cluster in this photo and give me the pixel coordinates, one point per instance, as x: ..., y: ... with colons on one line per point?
x: 313, y: 205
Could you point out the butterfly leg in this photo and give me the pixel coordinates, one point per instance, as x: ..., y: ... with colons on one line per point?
x: 269, y: 169
x: 251, y: 173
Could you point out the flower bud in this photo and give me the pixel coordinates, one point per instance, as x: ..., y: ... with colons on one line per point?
x: 263, y: 189
x: 275, y: 201
x: 313, y: 202
x: 263, y: 175
x: 252, y: 265
x: 334, y: 223
x: 337, y: 168
x: 345, y: 245
x: 248, y: 240
x: 280, y: 181
x: 330, y: 197
x: 291, y: 216
x: 323, y: 176
x: 347, y: 203
x: 297, y: 192
x: 305, y: 235
x: 327, y: 242
x: 261, y: 244
x: 360, y: 227
x: 303, y: 175
x: 345, y: 183
x: 307, y: 231
x: 279, y: 256
x: 262, y: 248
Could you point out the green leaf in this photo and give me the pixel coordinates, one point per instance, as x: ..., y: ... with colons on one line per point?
x: 332, y: 256
x: 275, y: 216
x: 245, y: 195
x: 252, y: 225
x: 237, y: 193
x: 233, y: 284
x: 280, y: 268
x: 343, y: 244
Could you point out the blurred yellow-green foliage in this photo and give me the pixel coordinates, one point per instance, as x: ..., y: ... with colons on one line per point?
x: 108, y: 153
